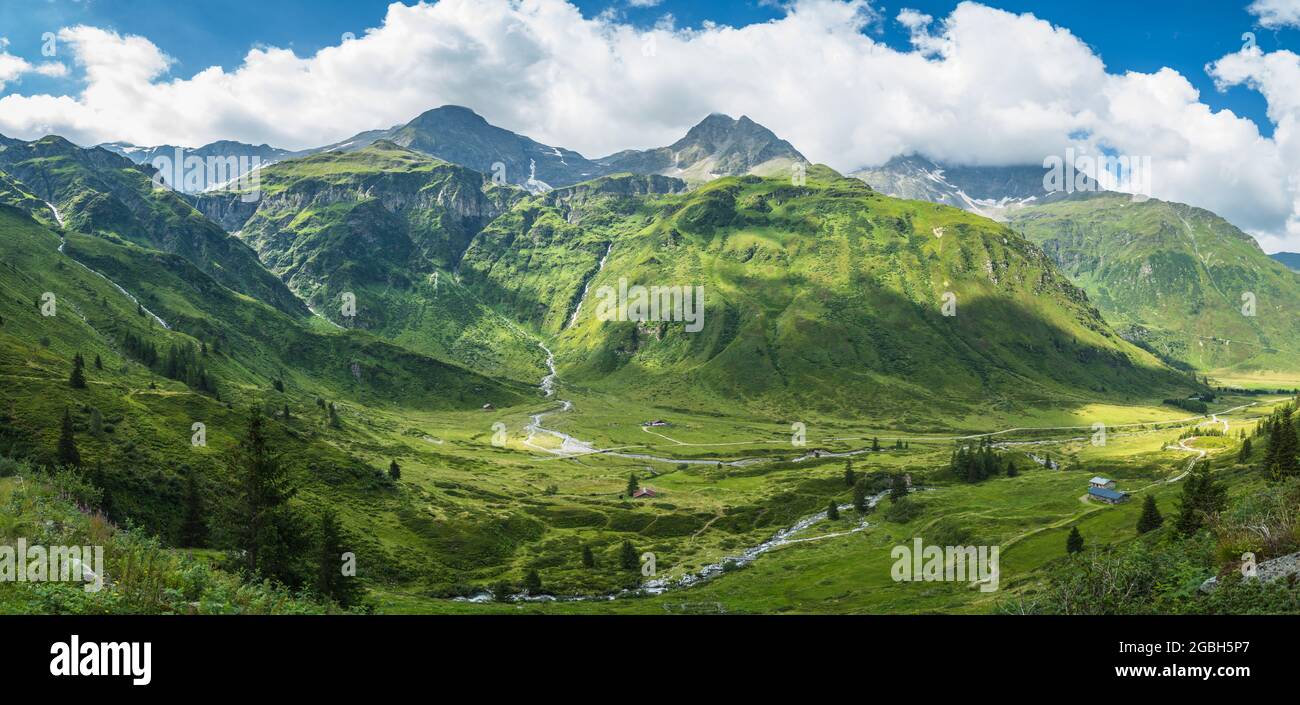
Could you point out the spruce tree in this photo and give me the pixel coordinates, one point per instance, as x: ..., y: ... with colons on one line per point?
x: 78, y: 377
x: 588, y: 558
x: 533, y: 582
x: 1150, y: 519
x: 68, y: 454
x: 897, y: 488
x: 331, y: 583
x: 99, y: 364
x: 875, y: 444
x: 832, y: 511
x: 194, y: 529
x: 860, y: 497
x: 850, y: 478
x: 632, y: 485
x: 394, y: 470
x: 627, y: 556
x: 265, y: 528
x: 1202, y: 498
x: 1244, y: 455
x: 1074, y: 543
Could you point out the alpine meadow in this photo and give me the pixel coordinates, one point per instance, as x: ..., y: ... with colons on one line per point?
x: 526, y: 307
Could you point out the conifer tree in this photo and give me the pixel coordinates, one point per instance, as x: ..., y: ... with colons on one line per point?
x: 897, y: 488
x: 394, y: 470
x: 832, y: 511
x: 588, y: 558
x: 331, y: 582
x: 265, y: 528
x: 1202, y: 498
x: 1150, y: 519
x: 628, y: 557
x: 194, y: 530
x: 78, y: 377
x: 860, y: 497
x: 875, y: 444
x: 533, y: 582
x: 850, y: 478
x: 1074, y: 543
x: 68, y: 454
x: 632, y: 485
x: 1244, y: 455
x: 99, y: 364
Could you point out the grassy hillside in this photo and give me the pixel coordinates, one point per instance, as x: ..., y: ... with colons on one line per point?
x: 96, y: 191
x: 388, y: 225
x: 1174, y: 277
x: 824, y: 298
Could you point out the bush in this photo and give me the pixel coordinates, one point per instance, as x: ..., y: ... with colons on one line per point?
x: 902, y: 511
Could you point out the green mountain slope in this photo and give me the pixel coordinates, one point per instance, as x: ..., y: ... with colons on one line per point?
x: 1177, y: 278
x: 96, y: 191
x: 826, y: 296
x: 134, y: 419
x: 387, y: 225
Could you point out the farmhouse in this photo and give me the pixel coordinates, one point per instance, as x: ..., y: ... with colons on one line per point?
x: 656, y: 422
x: 1101, y: 483
x: 1106, y: 495
x: 644, y: 492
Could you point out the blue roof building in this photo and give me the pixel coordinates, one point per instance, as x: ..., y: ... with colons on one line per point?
x: 1107, y: 495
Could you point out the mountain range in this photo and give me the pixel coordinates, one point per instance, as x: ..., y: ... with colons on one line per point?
x: 718, y: 146
x: 391, y: 303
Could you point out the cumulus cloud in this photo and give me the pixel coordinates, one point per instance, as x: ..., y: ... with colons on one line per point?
x: 1275, y: 14
x: 980, y: 86
x: 13, y: 67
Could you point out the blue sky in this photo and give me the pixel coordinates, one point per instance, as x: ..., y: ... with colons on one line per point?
x: 1142, y: 35
x: 985, y: 84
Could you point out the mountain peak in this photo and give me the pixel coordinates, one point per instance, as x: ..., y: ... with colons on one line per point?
x: 448, y: 113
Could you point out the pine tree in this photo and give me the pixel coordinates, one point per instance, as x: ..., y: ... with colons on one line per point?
x: 897, y: 488
x: 588, y: 558
x: 99, y: 364
x: 286, y: 413
x: 194, y: 529
x: 1244, y: 455
x: 1074, y: 543
x: 266, y: 529
x: 68, y: 454
x: 860, y: 497
x: 96, y: 422
x: 1202, y: 498
x: 501, y: 591
x: 875, y: 444
x: 78, y: 377
x: 1150, y: 519
x: 628, y: 557
x: 394, y: 470
x: 334, y: 417
x: 850, y: 478
x: 533, y: 582
x: 632, y: 485
x: 331, y: 582
x: 832, y: 511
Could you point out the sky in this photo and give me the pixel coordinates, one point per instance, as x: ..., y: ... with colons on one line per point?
x: 1209, y: 90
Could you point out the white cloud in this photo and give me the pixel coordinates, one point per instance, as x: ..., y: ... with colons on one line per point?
x: 13, y: 67
x: 1274, y: 14
x: 980, y: 86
